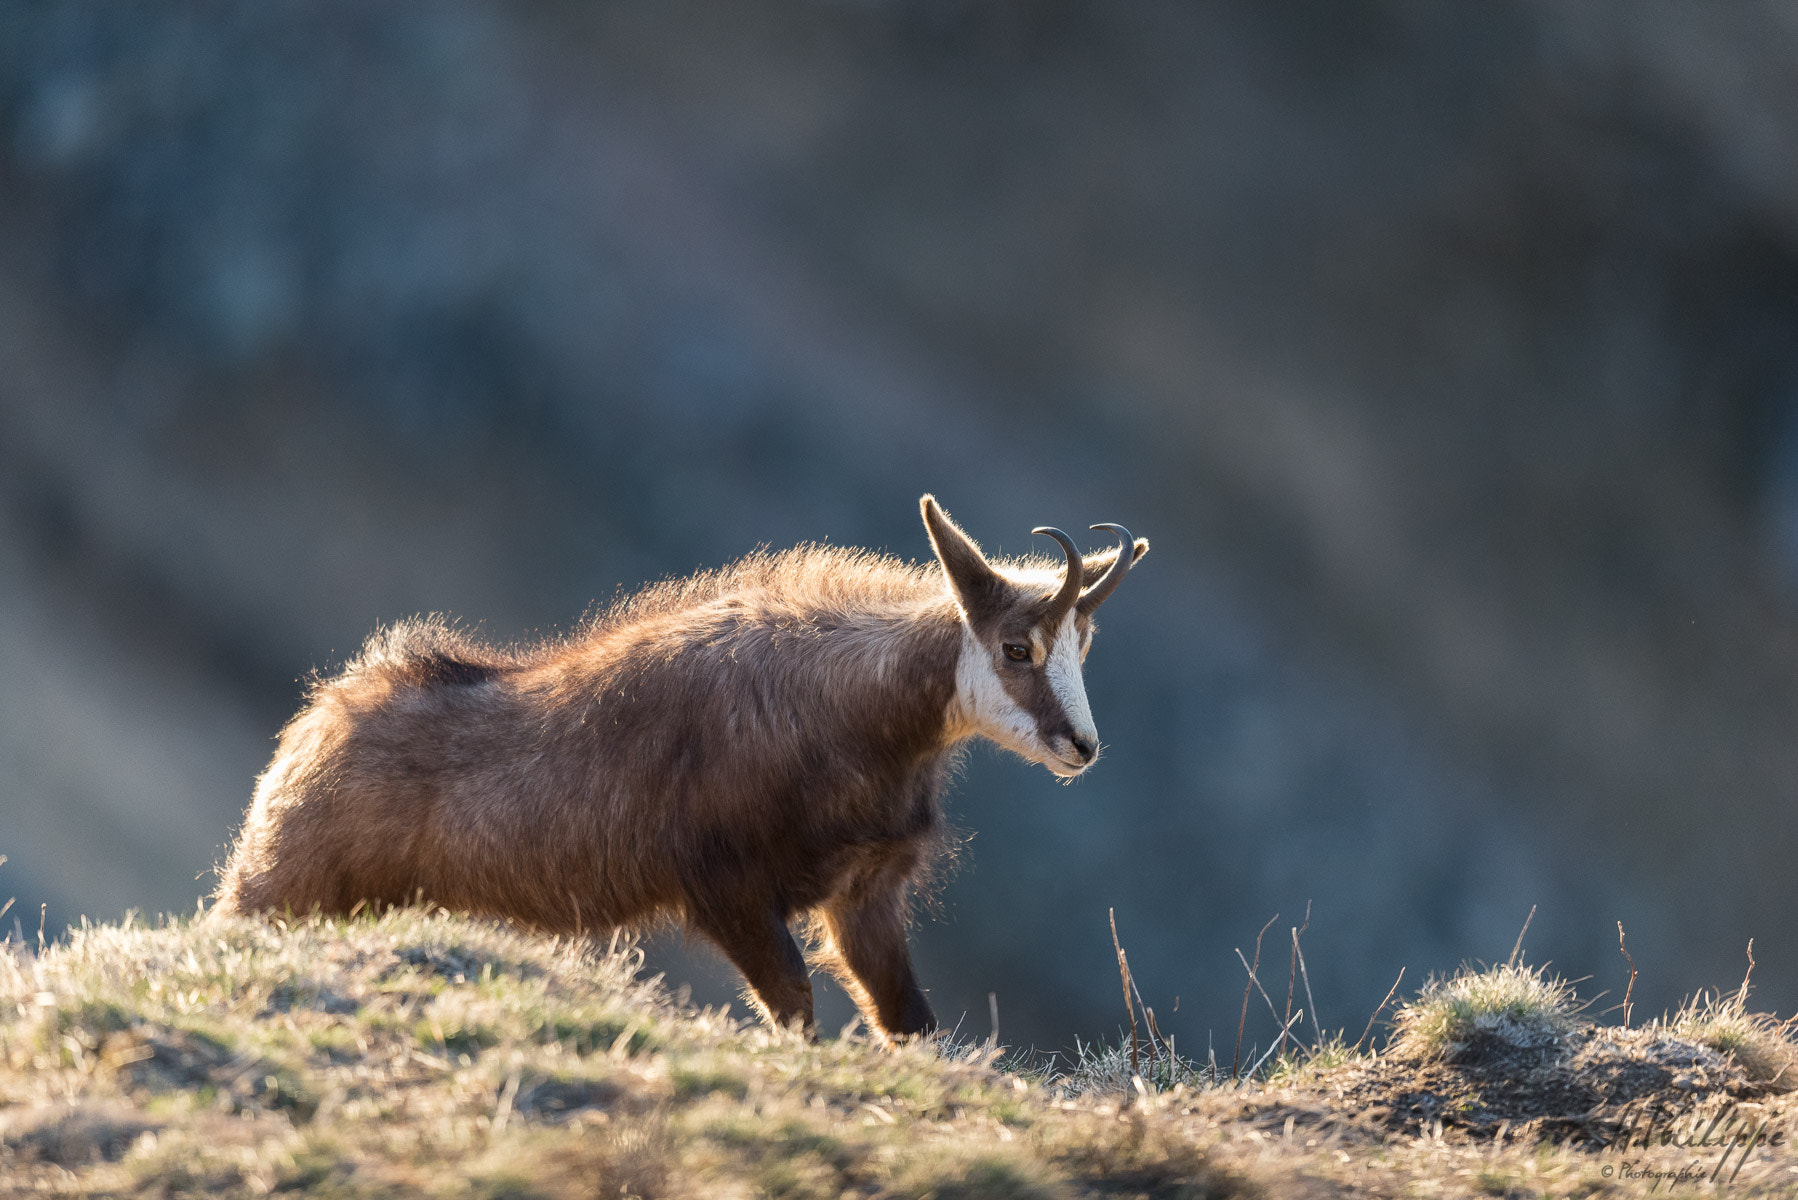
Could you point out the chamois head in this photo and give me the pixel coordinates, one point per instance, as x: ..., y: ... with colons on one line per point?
x: 1025, y: 633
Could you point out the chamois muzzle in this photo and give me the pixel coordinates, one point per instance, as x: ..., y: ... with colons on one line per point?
x: 1070, y: 587
x: 1096, y: 594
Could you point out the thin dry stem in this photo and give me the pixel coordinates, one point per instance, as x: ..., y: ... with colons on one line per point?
x: 1517, y: 946
x: 1124, y: 978
x: 1317, y: 1030
x: 1376, y: 1012
x: 1243, y: 1020
x: 1742, y: 992
x: 1630, y: 987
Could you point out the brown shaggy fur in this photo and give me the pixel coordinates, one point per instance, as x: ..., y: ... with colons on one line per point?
x: 733, y: 749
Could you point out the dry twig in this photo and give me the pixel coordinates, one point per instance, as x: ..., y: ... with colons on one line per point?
x: 1517, y: 947
x: 1378, y: 1011
x: 1124, y: 978
x: 1632, y: 974
x: 1243, y: 1020
x: 1742, y: 992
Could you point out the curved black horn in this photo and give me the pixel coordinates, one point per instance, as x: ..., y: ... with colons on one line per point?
x: 1070, y: 587
x: 1095, y: 595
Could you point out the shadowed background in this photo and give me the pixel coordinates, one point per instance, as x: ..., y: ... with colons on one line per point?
x: 1445, y: 353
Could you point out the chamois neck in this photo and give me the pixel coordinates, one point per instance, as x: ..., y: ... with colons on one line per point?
x: 905, y: 673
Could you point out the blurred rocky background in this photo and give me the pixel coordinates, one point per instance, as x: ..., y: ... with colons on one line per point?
x: 1445, y: 352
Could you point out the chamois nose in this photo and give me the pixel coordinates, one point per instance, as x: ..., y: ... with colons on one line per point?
x: 1084, y: 748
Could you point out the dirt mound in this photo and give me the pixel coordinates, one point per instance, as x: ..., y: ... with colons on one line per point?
x: 1593, y: 1087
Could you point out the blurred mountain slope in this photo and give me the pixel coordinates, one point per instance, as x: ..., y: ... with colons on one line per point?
x: 1446, y: 355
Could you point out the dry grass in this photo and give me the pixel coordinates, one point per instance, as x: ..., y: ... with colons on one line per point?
x: 423, y: 1054
x: 1496, y: 1083
x: 419, y: 1054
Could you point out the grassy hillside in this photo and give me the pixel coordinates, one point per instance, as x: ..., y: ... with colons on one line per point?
x: 424, y: 1054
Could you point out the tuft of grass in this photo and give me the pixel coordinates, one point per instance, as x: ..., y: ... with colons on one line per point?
x: 1098, y: 1069
x: 1761, y: 1045
x: 1308, y: 1065
x: 1518, y: 1005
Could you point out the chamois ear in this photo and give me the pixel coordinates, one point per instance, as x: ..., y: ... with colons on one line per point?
x: 977, y: 588
x: 1093, y: 566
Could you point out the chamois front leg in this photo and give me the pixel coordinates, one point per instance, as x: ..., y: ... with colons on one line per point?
x: 758, y: 944
x: 864, y: 947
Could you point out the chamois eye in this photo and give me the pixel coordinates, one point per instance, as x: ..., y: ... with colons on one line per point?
x: 1017, y: 653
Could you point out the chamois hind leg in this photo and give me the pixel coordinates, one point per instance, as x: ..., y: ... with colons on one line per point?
x: 758, y: 944
x: 864, y: 947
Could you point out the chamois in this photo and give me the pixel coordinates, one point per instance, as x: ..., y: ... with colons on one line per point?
x: 733, y: 750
